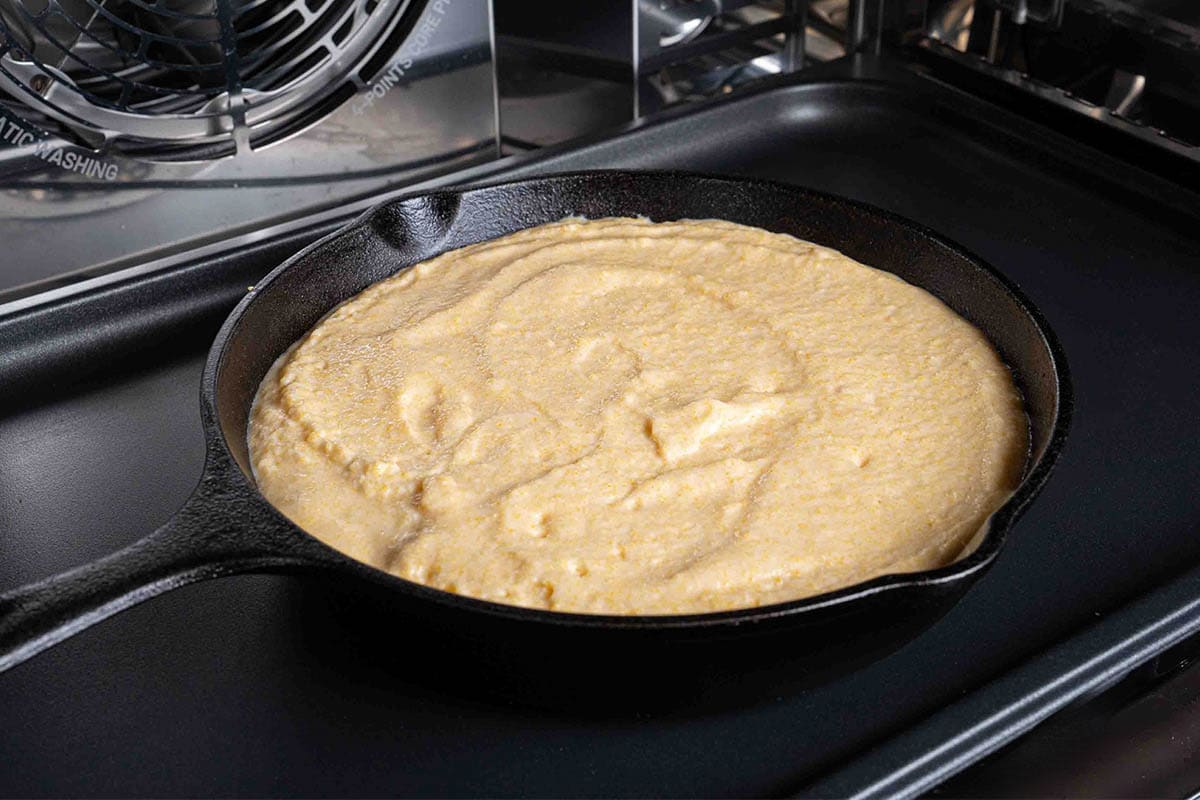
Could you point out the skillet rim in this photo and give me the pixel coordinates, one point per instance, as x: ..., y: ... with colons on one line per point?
x: 963, y: 571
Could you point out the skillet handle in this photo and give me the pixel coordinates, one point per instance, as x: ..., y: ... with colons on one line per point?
x: 203, y: 540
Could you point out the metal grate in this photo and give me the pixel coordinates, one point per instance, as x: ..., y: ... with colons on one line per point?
x: 191, y: 73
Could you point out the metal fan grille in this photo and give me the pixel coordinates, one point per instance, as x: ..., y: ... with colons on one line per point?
x: 184, y: 72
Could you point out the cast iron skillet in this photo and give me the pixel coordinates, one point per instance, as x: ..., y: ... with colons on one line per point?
x: 227, y: 527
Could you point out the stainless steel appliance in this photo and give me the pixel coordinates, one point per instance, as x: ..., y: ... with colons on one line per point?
x: 615, y: 60
x: 181, y: 122
x: 1055, y: 139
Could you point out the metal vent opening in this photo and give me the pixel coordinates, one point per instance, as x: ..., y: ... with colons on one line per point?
x: 186, y: 78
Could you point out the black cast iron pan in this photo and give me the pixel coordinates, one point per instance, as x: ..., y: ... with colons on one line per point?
x: 227, y: 527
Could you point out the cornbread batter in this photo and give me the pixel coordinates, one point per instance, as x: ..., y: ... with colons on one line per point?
x: 619, y: 416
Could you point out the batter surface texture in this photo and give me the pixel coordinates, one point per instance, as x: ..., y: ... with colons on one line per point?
x: 620, y: 416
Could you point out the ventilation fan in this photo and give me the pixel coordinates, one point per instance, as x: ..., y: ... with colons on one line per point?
x: 188, y: 79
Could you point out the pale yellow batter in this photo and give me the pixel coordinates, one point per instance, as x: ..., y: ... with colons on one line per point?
x: 619, y: 416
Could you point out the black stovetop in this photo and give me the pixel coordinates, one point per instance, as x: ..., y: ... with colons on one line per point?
x: 246, y: 686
